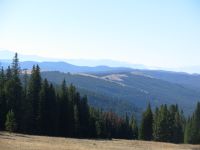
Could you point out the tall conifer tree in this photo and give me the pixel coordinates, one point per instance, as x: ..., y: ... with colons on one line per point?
x: 33, y: 91
x: 134, y: 128
x: 3, y: 105
x: 146, y: 129
x: 13, y: 89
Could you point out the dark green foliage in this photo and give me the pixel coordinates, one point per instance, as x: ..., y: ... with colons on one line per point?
x: 84, y: 116
x: 3, y: 104
x: 146, y: 125
x: 63, y: 111
x: 134, y: 128
x: 168, y: 124
x: 10, y: 124
x: 32, y: 102
x: 47, y: 109
x: 32, y: 105
x: 13, y: 90
x: 15, y: 66
x: 108, y: 125
x: 43, y: 109
x: 71, y: 106
x: 8, y: 73
x: 192, y: 129
x: 162, y: 125
x: 76, y: 121
x: 177, y: 124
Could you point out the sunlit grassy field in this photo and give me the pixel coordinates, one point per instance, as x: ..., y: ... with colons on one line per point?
x: 27, y: 142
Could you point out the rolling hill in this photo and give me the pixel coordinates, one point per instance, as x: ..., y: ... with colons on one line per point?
x: 128, y: 91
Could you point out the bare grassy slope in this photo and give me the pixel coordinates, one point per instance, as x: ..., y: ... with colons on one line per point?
x: 27, y: 142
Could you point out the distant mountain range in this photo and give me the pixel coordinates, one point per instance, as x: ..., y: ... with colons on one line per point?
x: 6, y: 56
x: 64, y: 67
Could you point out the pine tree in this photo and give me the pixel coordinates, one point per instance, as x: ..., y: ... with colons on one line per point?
x: 15, y: 66
x: 72, y: 102
x: 94, y: 128
x: 176, y: 123
x: 10, y: 123
x: 76, y: 122
x: 134, y: 128
x: 84, y: 117
x: 32, y: 104
x: 25, y: 82
x: 146, y: 128
x: 24, y: 105
x: 47, y: 109
x: 13, y: 89
x: 8, y: 74
x: 187, y: 131
x: 197, y: 124
x: 51, y: 104
x: 99, y: 122
x: 43, y: 117
x: 192, y: 131
x: 3, y: 106
x: 63, y: 111
x: 162, y: 125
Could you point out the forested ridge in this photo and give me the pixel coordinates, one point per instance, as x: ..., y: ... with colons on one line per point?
x: 32, y: 105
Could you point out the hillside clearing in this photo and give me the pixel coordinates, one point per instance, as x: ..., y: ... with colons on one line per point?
x: 27, y: 142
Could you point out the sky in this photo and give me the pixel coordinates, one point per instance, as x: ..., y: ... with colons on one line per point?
x: 160, y: 33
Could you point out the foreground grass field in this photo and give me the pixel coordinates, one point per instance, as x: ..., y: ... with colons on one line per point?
x: 27, y: 142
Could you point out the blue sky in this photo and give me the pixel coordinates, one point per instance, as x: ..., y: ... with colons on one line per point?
x: 150, y: 32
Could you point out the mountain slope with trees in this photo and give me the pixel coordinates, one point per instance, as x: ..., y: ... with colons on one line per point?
x: 128, y: 91
x: 33, y: 105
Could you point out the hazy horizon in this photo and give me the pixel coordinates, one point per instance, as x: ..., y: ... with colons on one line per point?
x: 7, y: 55
x: 152, y: 33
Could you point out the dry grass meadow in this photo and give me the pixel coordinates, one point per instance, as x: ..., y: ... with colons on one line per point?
x: 27, y: 142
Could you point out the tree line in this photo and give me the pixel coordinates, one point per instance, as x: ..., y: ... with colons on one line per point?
x: 31, y: 105
x: 168, y: 124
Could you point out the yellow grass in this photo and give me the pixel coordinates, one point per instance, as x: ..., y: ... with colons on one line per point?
x: 27, y: 142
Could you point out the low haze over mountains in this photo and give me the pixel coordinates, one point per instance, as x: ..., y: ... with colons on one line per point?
x: 5, y: 56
